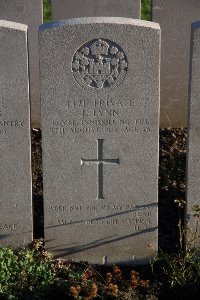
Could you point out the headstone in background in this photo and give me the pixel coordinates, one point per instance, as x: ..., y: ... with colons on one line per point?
x: 66, y: 9
x: 193, y: 156
x: 15, y: 150
x: 28, y: 12
x: 100, y: 101
x: 175, y: 18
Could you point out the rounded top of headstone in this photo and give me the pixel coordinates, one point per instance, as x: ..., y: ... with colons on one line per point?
x: 196, y: 25
x: 13, y: 25
x: 100, y: 20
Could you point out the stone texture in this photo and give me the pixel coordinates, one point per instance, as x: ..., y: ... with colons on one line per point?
x: 193, y: 162
x: 100, y: 100
x: 28, y: 12
x: 15, y: 152
x: 175, y: 18
x: 66, y: 9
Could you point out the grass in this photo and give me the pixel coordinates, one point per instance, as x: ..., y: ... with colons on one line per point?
x: 146, y: 10
x: 47, y: 11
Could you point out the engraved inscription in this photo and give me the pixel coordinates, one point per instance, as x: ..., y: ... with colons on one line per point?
x: 12, y: 123
x: 5, y: 124
x: 111, y: 208
x: 125, y: 126
x: 100, y: 161
x: 99, y: 64
x: 135, y: 223
x: 7, y: 226
x: 128, y: 215
x: 101, y: 115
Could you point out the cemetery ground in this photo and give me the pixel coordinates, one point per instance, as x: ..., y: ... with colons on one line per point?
x: 33, y: 273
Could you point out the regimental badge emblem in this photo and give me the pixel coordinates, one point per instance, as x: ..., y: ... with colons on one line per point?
x: 99, y: 64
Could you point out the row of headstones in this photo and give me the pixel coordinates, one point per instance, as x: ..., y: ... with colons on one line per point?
x: 174, y: 17
x: 100, y: 107
x: 100, y: 104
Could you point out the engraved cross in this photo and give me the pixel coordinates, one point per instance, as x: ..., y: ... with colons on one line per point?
x: 100, y: 162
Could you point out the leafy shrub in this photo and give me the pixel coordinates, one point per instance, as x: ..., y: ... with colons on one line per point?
x: 32, y: 274
x: 23, y: 271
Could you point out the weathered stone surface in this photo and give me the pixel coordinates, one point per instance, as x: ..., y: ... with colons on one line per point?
x: 66, y: 9
x: 15, y: 153
x: 28, y: 12
x: 175, y: 18
x: 100, y: 100
x: 193, y: 161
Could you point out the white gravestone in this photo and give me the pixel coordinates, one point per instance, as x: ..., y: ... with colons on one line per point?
x: 100, y: 101
x: 175, y: 18
x: 28, y: 12
x: 15, y: 140
x: 66, y: 9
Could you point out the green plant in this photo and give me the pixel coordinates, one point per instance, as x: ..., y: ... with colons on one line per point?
x: 146, y: 10
x: 193, y: 234
x: 180, y: 273
x: 33, y: 274
x: 23, y: 271
x: 47, y: 11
